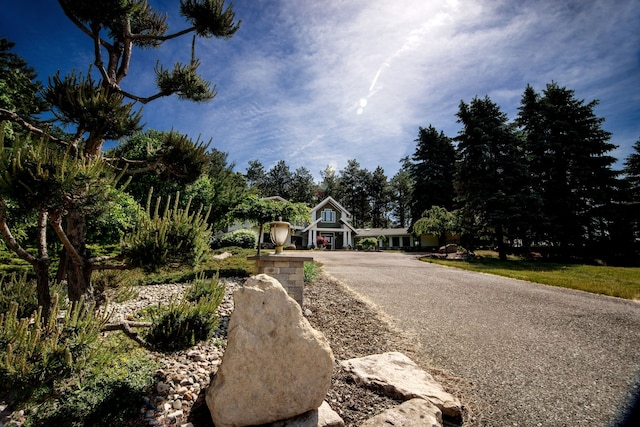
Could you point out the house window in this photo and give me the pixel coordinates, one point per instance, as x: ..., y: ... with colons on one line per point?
x: 328, y: 215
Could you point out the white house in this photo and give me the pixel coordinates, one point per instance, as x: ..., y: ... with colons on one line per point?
x: 330, y: 220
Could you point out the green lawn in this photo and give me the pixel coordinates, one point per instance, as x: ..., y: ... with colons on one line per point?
x: 623, y: 282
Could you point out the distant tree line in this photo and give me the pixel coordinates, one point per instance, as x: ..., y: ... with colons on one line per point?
x: 543, y: 182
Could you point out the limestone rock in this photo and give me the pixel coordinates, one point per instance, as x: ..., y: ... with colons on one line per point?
x: 275, y: 367
x: 399, y: 377
x: 324, y: 416
x: 412, y: 413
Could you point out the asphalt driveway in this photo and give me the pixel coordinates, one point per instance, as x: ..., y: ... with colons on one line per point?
x: 537, y: 355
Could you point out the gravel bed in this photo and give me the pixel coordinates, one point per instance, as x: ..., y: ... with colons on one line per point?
x: 353, y: 328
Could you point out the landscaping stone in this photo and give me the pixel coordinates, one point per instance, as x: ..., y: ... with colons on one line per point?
x: 275, y: 367
x: 412, y: 413
x: 397, y: 376
x: 324, y: 416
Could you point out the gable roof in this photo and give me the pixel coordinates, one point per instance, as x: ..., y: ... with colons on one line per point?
x: 333, y: 201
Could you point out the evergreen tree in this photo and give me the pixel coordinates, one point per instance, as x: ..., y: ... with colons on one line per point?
x: 279, y: 179
x: 401, y: 191
x: 329, y: 185
x: 490, y: 175
x: 256, y: 177
x: 380, y: 194
x: 632, y: 172
x: 569, y: 166
x: 432, y: 172
x: 352, y: 190
x: 303, y: 188
x: 101, y: 110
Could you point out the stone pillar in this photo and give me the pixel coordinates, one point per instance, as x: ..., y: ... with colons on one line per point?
x: 288, y: 270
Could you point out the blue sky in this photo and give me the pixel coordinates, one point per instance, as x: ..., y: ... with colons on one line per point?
x: 317, y: 83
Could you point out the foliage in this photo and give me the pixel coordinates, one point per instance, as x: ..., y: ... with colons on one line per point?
x: 569, y: 166
x: 632, y: 171
x: 321, y: 242
x: 311, y: 272
x: 185, y: 324
x: 368, y: 243
x: 246, y: 239
x: 119, y: 217
x: 21, y: 289
x: 18, y: 88
x: 203, y: 287
x: 353, y: 190
x: 490, y: 148
x: 36, y: 352
x: 107, y: 393
x: 261, y: 211
x: 174, y: 235
x: 431, y: 168
x: 437, y: 221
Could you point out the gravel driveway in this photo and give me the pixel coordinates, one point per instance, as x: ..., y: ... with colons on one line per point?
x: 536, y: 355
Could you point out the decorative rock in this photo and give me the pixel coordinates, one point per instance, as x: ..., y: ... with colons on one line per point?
x: 399, y: 377
x: 412, y: 413
x: 324, y: 416
x: 276, y: 366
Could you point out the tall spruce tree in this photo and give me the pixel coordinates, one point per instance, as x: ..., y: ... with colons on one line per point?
x: 432, y: 170
x: 569, y: 165
x: 490, y: 175
x: 401, y: 190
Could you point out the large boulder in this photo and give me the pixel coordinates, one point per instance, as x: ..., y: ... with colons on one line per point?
x: 275, y: 366
x: 397, y: 376
x: 412, y: 413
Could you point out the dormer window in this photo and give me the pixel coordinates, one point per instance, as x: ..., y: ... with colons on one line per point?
x: 328, y: 215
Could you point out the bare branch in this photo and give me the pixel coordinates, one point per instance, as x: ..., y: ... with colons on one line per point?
x: 12, y: 243
x: 56, y: 223
x: 14, y: 117
x: 126, y: 327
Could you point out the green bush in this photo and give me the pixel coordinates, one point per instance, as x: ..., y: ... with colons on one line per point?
x: 20, y: 290
x: 203, y: 287
x: 35, y: 353
x: 183, y: 325
x: 245, y: 239
x: 173, y: 236
x: 368, y: 243
x: 311, y: 271
x: 106, y: 394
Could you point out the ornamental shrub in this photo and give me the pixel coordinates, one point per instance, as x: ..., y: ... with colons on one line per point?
x: 36, y: 353
x: 245, y: 239
x: 184, y: 325
x: 203, y: 287
x: 368, y: 243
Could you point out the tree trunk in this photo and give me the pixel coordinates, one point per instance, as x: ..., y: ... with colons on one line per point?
x: 78, y: 268
x: 41, y: 268
x: 502, y: 250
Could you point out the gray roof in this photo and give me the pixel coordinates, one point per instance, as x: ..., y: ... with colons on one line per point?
x: 375, y: 232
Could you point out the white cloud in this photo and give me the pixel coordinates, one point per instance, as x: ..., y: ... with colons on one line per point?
x: 317, y: 83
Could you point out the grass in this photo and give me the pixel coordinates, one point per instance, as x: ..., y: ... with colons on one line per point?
x: 622, y: 282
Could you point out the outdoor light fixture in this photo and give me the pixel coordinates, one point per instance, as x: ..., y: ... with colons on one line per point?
x: 279, y: 234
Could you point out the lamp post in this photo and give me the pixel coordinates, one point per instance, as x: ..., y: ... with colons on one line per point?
x: 279, y: 234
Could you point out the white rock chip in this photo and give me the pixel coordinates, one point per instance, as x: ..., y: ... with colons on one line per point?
x: 412, y: 413
x: 399, y: 377
x: 276, y: 366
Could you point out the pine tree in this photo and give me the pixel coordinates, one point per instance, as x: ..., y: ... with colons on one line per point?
x: 101, y: 109
x: 432, y: 170
x: 569, y: 166
x: 490, y: 175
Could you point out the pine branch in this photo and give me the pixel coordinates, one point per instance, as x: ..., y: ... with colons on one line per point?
x: 11, y: 242
x: 14, y: 117
x: 56, y: 223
